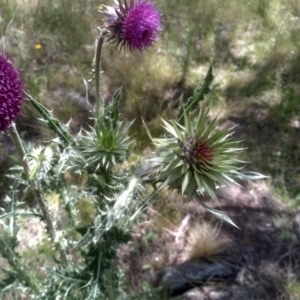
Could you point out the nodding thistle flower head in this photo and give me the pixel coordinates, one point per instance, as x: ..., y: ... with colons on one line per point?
x: 194, y: 158
x: 135, y: 25
x: 11, y: 93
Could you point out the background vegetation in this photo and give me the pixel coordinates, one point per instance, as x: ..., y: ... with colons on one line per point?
x: 255, y: 49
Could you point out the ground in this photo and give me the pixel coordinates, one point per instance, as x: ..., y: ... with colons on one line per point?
x: 265, y: 251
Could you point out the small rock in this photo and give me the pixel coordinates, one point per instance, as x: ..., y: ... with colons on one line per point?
x: 217, y: 295
x: 194, y: 294
x: 183, y: 277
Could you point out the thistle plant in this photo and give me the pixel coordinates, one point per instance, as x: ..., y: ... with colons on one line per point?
x: 193, y: 156
x: 107, y: 143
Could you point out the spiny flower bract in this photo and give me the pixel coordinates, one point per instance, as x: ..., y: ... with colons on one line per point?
x: 194, y: 158
x: 104, y: 146
x: 11, y: 93
x: 135, y: 25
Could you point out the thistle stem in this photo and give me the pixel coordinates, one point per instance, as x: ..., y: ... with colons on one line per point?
x: 36, y: 191
x: 97, y: 71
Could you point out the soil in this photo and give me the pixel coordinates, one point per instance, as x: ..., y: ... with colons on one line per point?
x: 265, y: 251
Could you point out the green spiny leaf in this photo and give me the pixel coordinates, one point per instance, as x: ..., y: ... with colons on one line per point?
x: 53, y: 123
x: 147, y: 130
x: 198, y: 96
x: 217, y: 213
x: 249, y: 175
x: 112, y: 112
x: 191, y: 188
x: 171, y: 129
x: 186, y: 180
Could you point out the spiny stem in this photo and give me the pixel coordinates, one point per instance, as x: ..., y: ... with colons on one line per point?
x: 36, y: 191
x: 97, y: 71
x: 14, y: 135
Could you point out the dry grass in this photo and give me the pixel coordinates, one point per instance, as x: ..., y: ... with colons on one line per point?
x: 203, y: 241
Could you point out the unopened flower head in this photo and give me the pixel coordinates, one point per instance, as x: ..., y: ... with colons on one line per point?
x: 194, y: 158
x: 135, y: 25
x: 104, y: 146
x: 11, y: 93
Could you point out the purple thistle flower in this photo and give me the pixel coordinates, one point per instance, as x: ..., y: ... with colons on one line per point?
x: 135, y: 26
x: 11, y: 93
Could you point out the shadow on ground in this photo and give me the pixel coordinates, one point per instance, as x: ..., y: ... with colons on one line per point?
x: 264, y: 255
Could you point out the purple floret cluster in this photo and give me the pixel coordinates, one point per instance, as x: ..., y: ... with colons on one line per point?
x: 11, y: 93
x: 135, y: 26
x: 141, y: 25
